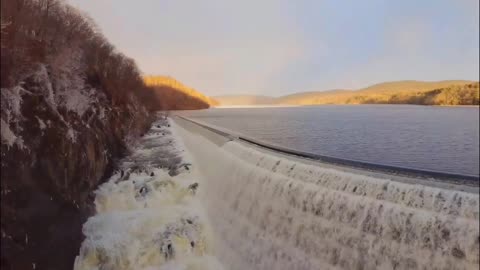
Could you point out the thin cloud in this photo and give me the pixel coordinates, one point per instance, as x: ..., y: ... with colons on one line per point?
x: 278, y: 47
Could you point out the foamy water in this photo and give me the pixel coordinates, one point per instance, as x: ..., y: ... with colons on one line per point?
x: 147, y: 219
x: 255, y: 209
x: 270, y: 212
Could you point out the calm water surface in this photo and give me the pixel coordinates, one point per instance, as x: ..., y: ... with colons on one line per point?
x: 422, y: 137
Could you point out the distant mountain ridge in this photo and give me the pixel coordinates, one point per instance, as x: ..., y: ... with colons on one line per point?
x: 460, y: 92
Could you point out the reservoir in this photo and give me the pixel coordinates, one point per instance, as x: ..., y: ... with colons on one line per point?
x: 443, y: 139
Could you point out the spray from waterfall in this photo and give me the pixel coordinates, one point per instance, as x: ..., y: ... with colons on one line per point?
x: 148, y: 215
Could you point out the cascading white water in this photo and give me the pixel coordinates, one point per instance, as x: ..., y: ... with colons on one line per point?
x: 270, y: 211
x: 147, y: 219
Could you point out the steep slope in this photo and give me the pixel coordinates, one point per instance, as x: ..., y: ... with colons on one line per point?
x: 173, y: 95
x: 70, y: 106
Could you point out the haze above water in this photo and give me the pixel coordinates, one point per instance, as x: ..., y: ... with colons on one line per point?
x: 432, y: 138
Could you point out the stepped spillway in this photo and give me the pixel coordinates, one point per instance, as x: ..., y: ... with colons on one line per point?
x: 192, y: 198
x: 274, y: 211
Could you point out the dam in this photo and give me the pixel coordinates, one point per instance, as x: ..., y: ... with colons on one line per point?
x: 260, y: 206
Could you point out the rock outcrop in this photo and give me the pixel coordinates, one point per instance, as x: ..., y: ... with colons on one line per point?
x: 70, y: 106
x: 53, y: 156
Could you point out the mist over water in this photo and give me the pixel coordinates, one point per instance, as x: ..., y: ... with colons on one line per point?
x: 422, y: 137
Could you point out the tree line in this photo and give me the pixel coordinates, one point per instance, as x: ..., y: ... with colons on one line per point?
x: 467, y: 94
x: 50, y: 32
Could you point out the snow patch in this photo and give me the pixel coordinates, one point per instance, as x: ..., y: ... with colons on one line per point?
x: 71, y: 134
x: 12, y: 103
x: 101, y: 114
x: 69, y: 81
x: 41, y: 77
x: 8, y: 137
x: 41, y: 124
x: 77, y: 101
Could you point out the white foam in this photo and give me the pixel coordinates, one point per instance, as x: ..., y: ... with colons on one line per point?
x: 273, y: 212
x: 148, y: 221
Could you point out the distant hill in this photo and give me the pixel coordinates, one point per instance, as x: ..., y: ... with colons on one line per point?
x: 466, y: 94
x: 173, y: 95
x: 400, y: 92
x: 232, y: 100
x: 317, y: 97
x: 399, y: 86
x: 378, y: 93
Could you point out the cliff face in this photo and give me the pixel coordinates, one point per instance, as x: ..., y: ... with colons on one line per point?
x: 53, y: 156
x: 70, y: 106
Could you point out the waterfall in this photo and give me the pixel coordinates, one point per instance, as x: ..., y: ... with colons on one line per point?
x: 148, y: 215
x: 272, y: 211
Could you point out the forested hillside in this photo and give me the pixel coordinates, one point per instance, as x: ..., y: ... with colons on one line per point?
x: 467, y: 94
x: 173, y: 95
x: 71, y: 105
x: 401, y: 92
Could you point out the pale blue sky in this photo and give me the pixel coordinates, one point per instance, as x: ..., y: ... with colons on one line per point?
x: 276, y: 47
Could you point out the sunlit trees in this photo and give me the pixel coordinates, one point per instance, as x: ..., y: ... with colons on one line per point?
x: 455, y: 95
x: 51, y: 32
x: 172, y: 94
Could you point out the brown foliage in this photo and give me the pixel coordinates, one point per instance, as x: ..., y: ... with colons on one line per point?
x: 171, y: 94
x: 38, y: 31
x: 403, y: 92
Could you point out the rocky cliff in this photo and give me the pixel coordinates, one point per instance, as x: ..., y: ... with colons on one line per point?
x: 70, y: 106
x: 53, y: 157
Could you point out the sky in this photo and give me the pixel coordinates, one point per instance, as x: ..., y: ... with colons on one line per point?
x: 277, y: 47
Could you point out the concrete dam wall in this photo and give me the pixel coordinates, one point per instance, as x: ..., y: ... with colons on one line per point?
x: 272, y: 210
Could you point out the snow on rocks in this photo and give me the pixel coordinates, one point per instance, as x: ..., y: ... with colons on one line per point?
x: 41, y: 123
x: 8, y: 137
